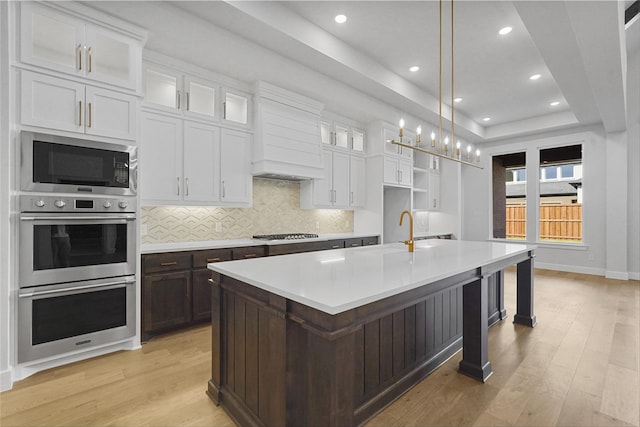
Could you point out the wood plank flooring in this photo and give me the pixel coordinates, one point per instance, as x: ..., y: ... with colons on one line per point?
x: 578, y: 367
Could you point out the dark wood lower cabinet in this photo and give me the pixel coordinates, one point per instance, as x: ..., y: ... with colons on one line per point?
x: 176, y: 292
x: 167, y: 301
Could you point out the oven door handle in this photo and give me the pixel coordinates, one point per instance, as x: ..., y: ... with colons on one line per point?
x: 79, y: 288
x: 78, y: 218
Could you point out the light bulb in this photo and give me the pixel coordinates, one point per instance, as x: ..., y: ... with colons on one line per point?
x: 478, y: 155
x: 433, y: 139
x: 419, y: 130
x: 401, y: 123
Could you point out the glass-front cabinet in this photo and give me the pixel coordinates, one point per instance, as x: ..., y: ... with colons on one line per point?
x: 336, y: 134
x: 190, y: 96
x: 64, y: 43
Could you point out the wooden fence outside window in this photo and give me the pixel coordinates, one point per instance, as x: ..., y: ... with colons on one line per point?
x: 559, y: 223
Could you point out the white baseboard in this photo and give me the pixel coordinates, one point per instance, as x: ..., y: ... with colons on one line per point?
x: 634, y: 276
x: 618, y: 275
x: 5, y: 380
x: 570, y: 268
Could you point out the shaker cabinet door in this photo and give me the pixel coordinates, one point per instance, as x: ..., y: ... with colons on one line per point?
x: 52, y: 103
x: 110, y: 113
x: 161, y: 158
x: 235, y: 166
x: 201, y: 157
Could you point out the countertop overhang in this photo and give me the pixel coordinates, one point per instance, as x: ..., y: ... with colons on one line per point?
x: 338, y: 280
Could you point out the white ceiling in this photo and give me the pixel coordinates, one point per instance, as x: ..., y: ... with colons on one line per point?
x: 576, y: 46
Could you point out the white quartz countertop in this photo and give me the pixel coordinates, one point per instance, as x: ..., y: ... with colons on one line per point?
x: 338, y: 280
x: 150, y: 248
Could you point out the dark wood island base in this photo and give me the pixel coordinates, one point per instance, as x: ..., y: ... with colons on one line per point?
x: 277, y: 362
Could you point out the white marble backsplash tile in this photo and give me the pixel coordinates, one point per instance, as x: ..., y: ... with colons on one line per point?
x: 276, y: 209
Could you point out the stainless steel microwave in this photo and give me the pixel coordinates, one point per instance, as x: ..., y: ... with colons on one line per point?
x: 51, y: 163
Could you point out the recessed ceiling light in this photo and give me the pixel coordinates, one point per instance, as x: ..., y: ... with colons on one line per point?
x: 486, y: 119
x: 457, y: 100
x: 554, y: 103
x: 414, y: 68
x: 505, y: 31
x: 341, y: 19
x: 535, y: 77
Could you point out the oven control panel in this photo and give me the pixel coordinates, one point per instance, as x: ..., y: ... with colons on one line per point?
x: 35, y: 203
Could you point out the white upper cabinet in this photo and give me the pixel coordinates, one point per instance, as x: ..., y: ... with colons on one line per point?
x: 184, y: 94
x: 161, y: 159
x: 201, y: 150
x: 390, y: 148
x: 235, y: 167
x: 66, y: 105
x: 236, y: 107
x: 357, y: 140
x: 336, y: 134
x: 55, y: 40
x: 185, y: 162
x: 397, y: 172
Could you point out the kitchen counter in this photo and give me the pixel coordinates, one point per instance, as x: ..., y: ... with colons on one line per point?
x: 342, y: 279
x: 330, y: 338
x: 149, y: 248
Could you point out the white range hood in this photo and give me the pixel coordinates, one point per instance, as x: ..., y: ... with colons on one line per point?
x: 287, y: 142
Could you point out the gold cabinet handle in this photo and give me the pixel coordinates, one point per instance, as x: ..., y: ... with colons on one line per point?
x: 89, y: 51
x: 213, y: 260
x: 178, y: 98
x: 178, y: 179
x: 187, y: 101
x: 186, y: 183
x: 335, y: 246
x: 167, y: 264
x: 79, y: 56
x: 353, y: 245
x: 79, y: 113
x: 89, y: 117
x: 210, y: 280
x: 251, y: 255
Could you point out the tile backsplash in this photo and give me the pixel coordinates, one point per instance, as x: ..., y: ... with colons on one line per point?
x: 276, y: 209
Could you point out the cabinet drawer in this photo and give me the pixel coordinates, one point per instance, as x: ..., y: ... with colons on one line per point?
x: 248, y: 252
x: 166, y: 262
x: 335, y: 244
x: 202, y: 258
x: 352, y: 243
x: 367, y: 241
x: 295, y: 248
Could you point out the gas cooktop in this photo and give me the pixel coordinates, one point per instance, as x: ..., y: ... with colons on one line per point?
x: 289, y: 236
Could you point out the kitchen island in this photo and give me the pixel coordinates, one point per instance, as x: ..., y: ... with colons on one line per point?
x: 330, y: 338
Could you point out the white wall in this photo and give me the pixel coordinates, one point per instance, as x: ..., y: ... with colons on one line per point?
x: 633, y: 165
x: 5, y: 208
x: 447, y: 218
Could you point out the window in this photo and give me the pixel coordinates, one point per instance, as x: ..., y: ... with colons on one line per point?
x: 561, y: 194
x: 509, y: 196
x: 559, y: 200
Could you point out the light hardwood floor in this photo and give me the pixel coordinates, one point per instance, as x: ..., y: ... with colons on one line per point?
x: 578, y: 367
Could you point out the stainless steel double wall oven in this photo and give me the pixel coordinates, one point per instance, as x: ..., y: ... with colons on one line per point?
x: 77, y: 238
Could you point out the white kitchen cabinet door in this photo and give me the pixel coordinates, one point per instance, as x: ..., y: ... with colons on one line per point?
x: 391, y: 175
x: 406, y: 173
x: 160, y: 159
x: 340, y: 180
x: 161, y: 89
x: 326, y: 133
x: 201, y: 150
x: 341, y: 136
x: 111, y: 57
x: 51, y: 39
x: 235, y: 167
x: 357, y: 181
x: 200, y: 98
x: 236, y: 107
x: 434, y: 191
x: 52, y: 103
x: 357, y: 140
x: 110, y: 113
